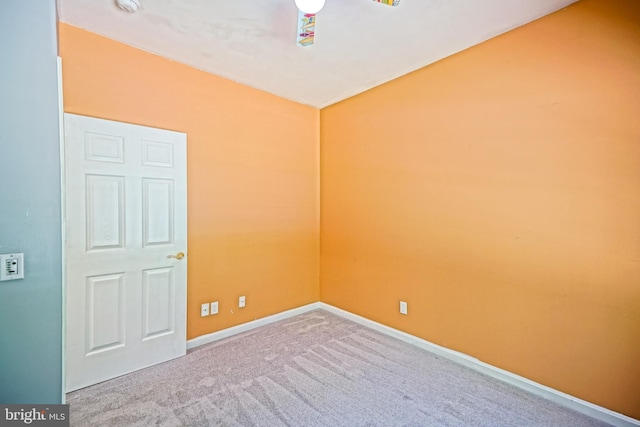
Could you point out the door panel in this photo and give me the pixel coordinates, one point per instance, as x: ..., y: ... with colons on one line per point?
x: 125, y: 198
x: 158, y: 302
x: 157, y: 154
x: 105, y: 323
x: 157, y: 196
x: 105, y: 212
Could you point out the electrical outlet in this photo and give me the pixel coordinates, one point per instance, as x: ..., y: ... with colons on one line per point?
x: 214, y: 307
x: 403, y: 307
x: 204, y: 310
x: 241, y: 301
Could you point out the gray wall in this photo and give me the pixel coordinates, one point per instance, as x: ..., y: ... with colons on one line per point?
x: 30, y: 309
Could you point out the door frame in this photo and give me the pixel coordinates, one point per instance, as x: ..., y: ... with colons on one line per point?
x: 63, y: 223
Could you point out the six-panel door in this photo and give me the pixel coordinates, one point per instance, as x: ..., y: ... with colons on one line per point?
x: 126, y: 219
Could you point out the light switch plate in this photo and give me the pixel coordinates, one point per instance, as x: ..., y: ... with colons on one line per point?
x: 11, y: 267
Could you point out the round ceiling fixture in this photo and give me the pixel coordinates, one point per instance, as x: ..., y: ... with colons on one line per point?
x: 130, y: 6
x: 310, y: 6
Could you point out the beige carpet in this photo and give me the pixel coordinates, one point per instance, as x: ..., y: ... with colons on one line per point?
x: 315, y: 369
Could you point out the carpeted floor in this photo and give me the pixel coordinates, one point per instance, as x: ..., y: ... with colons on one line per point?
x: 315, y: 369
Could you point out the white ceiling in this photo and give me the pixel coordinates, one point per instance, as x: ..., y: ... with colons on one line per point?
x: 359, y: 43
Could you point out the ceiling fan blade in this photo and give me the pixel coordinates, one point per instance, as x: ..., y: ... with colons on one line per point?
x: 307, y: 24
x: 306, y: 28
x: 389, y: 2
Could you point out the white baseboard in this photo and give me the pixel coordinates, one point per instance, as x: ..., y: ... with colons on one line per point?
x: 234, y: 330
x: 566, y: 400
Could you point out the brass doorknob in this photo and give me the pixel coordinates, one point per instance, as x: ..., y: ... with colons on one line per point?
x: 179, y: 255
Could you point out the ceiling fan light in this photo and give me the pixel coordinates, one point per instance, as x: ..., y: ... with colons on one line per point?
x: 130, y: 6
x: 310, y: 6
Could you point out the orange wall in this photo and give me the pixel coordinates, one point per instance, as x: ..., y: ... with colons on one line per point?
x: 253, y: 201
x: 498, y: 193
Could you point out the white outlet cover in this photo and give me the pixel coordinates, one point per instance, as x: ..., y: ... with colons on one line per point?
x: 214, y: 307
x: 204, y: 310
x: 241, y: 302
x: 403, y: 307
x: 11, y: 266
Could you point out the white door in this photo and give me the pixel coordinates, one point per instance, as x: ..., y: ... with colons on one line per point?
x: 126, y: 231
